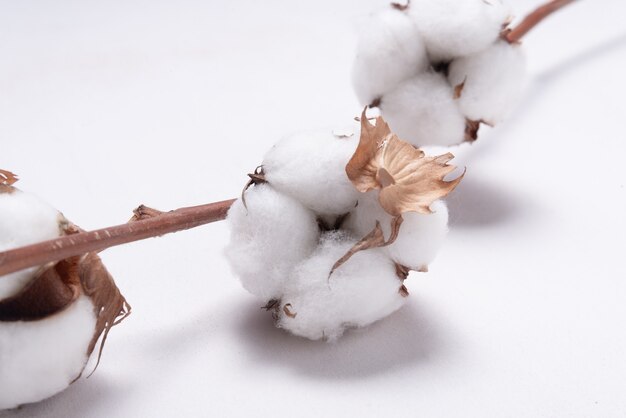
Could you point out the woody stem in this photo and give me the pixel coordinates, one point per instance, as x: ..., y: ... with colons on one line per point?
x: 533, y: 19
x: 141, y: 227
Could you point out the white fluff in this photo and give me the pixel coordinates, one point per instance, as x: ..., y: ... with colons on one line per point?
x: 41, y: 358
x: 310, y: 167
x: 24, y: 219
x: 454, y: 28
x: 421, y: 236
x: 494, y: 81
x: 390, y: 49
x: 422, y: 111
x: 360, y: 292
x: 268, y: 239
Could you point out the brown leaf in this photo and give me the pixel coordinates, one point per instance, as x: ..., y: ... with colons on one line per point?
x: 48, y: 294
x: 362, y: 168
x: 401, y: 7
x: 409, y: 181
x: 404, y: 292
x: 418, y: 180
x: 287, y: 311
x: 374, y: 239
x: 402, y: 271
x: 258, y: 177
x: 110, y: 306
x: 471, y: 130
x: 458, y: 89
x: 7, y: 179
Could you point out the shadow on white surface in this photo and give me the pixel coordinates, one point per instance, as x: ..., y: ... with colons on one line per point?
x: 406, y: 338
x: 88, y: 397
x: 479, y: 203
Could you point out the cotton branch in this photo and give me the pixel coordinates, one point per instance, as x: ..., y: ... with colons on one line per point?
x: 515, y: 35
x: 146, y: 223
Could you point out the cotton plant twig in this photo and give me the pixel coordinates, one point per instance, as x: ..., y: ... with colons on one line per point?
x: 146, y: 223
x: 533, y: 19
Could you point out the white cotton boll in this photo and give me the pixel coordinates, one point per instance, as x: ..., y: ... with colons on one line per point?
x: 494, y: 81
x: 268, y: 239
x: 24, y: 219
x: 360, y: 292
x: 422, y: 111
x: 390, y: 49
x: 421, y: 236
x: 311, y: 167
x: 454, y: 28
x: 41, y: 358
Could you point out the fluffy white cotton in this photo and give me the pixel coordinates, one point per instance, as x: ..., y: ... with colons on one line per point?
x: 494, y: 81
x: 455, y: 28
x: 41, y: 358
x: 421, y: 236
x: 310, y: 167
x: 24, y: 219
x: 422, y: 111
x: 360, y: 292
x: 268, y: 239
x: 390, y: 49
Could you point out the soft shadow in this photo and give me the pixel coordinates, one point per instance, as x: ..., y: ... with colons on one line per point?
x: 407, y: 337
x: 479, y: 203
x: 584, y: 57
x: 85, y: 398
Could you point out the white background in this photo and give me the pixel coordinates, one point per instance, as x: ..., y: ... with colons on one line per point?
x: 106, y: 105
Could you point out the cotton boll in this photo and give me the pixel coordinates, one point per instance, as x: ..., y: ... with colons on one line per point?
x: 422, y: 111
x: 454, y: 28
x: 493, y: 81
x: 421, y: 236
x: 360, y: 292
x: 268, y: 239
x: 310, y: 167
x: 41, y: 358
x: 390, y: 50
x: 24, y: 220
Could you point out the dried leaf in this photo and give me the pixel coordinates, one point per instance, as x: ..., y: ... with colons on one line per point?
x: 458, y: 89
x: 418, y: 180
x: 471, y: 130
x: 287, y: 311
x: 404, y: 292
x: 401, y: 7
x: 7, y: 179
x: 374, y: 239
x: 46, y: 295
x: 58, y: 286
x: 362, y: 168
x: 402, y: 271
x: 409, y: 181
x: 258, y: 177
x: 110, y: 306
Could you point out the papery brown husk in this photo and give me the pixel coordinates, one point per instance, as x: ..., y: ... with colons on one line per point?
x: 58, y: 286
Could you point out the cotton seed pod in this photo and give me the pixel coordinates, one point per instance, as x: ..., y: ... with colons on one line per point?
x: 51, y: 317
x: 362, y: 291
x: 455, y: 28
x: 269, y: 235
x: 390, y: 49
x: 310, y: 167
x: 423, y: 111
x: 489, y: 82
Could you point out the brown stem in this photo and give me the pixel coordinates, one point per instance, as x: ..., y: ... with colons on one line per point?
x: 84, y: 242
x: 530, y: 21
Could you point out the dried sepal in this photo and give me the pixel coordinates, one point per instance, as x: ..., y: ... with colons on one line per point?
x: 374, y: 239
x: 257, y: 177
x: 49, y: 293
x: 7, y: 179
x: 288, y: 312
x: 458, y: 89
x: 409, y: 181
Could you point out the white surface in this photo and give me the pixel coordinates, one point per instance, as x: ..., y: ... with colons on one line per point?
x: 105, y: 105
